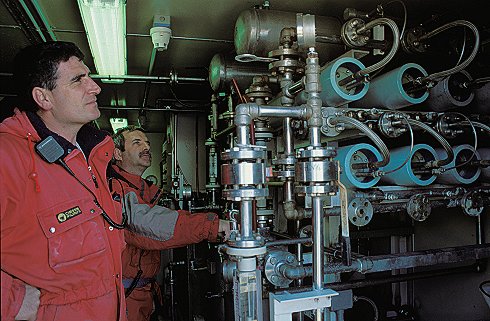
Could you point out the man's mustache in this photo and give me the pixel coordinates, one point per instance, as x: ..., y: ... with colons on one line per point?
x: 143, y: 153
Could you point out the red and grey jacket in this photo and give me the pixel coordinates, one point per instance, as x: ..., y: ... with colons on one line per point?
x: 162, y: 227
x: 53, y: 236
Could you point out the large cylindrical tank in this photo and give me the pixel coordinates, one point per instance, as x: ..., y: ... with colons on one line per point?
x: 332, y: 93
x: 407, y: 176
x: 485, y: 171
x: 257, y: 32
x: 451, y: 93
x: 387, y: 90
x: 223, y: 69
x: 481, y: 102
x: 465, y: 174
x: 357, y: 154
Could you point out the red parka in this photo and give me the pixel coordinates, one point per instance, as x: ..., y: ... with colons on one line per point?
x: 170, y: 229
x: 53, y: 236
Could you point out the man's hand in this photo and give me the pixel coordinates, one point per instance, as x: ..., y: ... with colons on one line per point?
x: 224, y: 229
x: 30, y: 305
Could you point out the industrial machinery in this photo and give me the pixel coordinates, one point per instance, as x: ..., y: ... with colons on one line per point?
x: 327, y: 136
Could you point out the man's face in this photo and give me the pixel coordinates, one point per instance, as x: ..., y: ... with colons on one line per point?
x: 136, y: 157
x: 74, y: 100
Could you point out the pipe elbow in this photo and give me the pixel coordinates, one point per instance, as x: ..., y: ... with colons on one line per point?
x: 290, y: 211
x: 244, y: 113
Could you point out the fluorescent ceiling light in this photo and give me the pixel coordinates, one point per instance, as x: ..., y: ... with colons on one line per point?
x: 105, y: 24
x: 117, y: 123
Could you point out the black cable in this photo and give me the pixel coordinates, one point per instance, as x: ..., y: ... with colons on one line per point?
x: 134, y: 283
x: 181, y: 102
x: 104, y: 214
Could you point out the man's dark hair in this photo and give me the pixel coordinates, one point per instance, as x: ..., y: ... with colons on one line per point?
x: 118, y: 137
x: 37, y: 66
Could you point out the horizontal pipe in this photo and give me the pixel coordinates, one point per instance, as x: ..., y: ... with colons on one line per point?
x: 225, y: 131
x: 289, y: 242
x: 147, y: 78
x: 388, y: 262
x: 152, y: 109
x: 340, y: 286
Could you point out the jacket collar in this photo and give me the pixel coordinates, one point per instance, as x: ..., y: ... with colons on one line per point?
x: 88, y: 137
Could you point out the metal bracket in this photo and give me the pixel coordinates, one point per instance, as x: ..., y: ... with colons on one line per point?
x: 284, y: 304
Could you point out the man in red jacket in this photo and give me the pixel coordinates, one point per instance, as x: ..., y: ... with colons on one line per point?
x: 141, y: 258
x: 61, y: 241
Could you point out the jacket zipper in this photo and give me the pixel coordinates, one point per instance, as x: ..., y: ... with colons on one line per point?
x: 93, y: 177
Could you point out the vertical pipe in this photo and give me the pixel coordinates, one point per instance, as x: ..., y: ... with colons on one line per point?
x: 289, y: 191
x: 299, y: 253
x: 317, y: 242
x: 315, y: 136
x: 174, y: 158
x: 246, y: 219
x: 288, y: 137
x: 243, y: 135
x: 214, y: 115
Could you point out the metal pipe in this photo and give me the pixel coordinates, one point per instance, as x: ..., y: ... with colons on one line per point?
x: 32, y: 19
x: 245, y: 113
x: 315, y: 136
x: 317, y: 225
x: 174, y: 158
x: 45, y: 22
x: 379, y: 263
x: 226, y: 131
x: 288, y: 137
x: 246, y: 219
x: 301, y: 240
x: 340, y: 286
x: 143, y: 35
x: 150, y: 78
x: 151, y: 109
x: 295, y: 88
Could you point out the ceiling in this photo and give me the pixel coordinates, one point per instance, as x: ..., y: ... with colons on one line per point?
x: 200, y: 29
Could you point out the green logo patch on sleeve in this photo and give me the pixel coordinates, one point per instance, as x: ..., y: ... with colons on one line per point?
x: 68, y: 214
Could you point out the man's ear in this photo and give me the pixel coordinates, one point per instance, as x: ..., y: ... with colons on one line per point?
x: 117, y: 155
x: 42, y: 98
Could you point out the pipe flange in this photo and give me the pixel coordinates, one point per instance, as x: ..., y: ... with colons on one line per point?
x: 273, y: 260
x: 386, y: 125
x: 289, y: 160
x: 245, y: 252
x: 283, y: 53
x: 418, y: 207
x: 472, y: 203
x: 328, y: 152
x: 445, y: 126
x: 410, y: 42
x: 305, y: 29
x: 187, y: 192
x: 283, y: 173
x: 360, y: 211
x: 316, y: 189
x: 322, y: 171
x: 245, y: 193
x: 349, y: 34
x: 237, y: 153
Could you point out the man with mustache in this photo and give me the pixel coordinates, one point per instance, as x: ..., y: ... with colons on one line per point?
x: 166, y: 228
